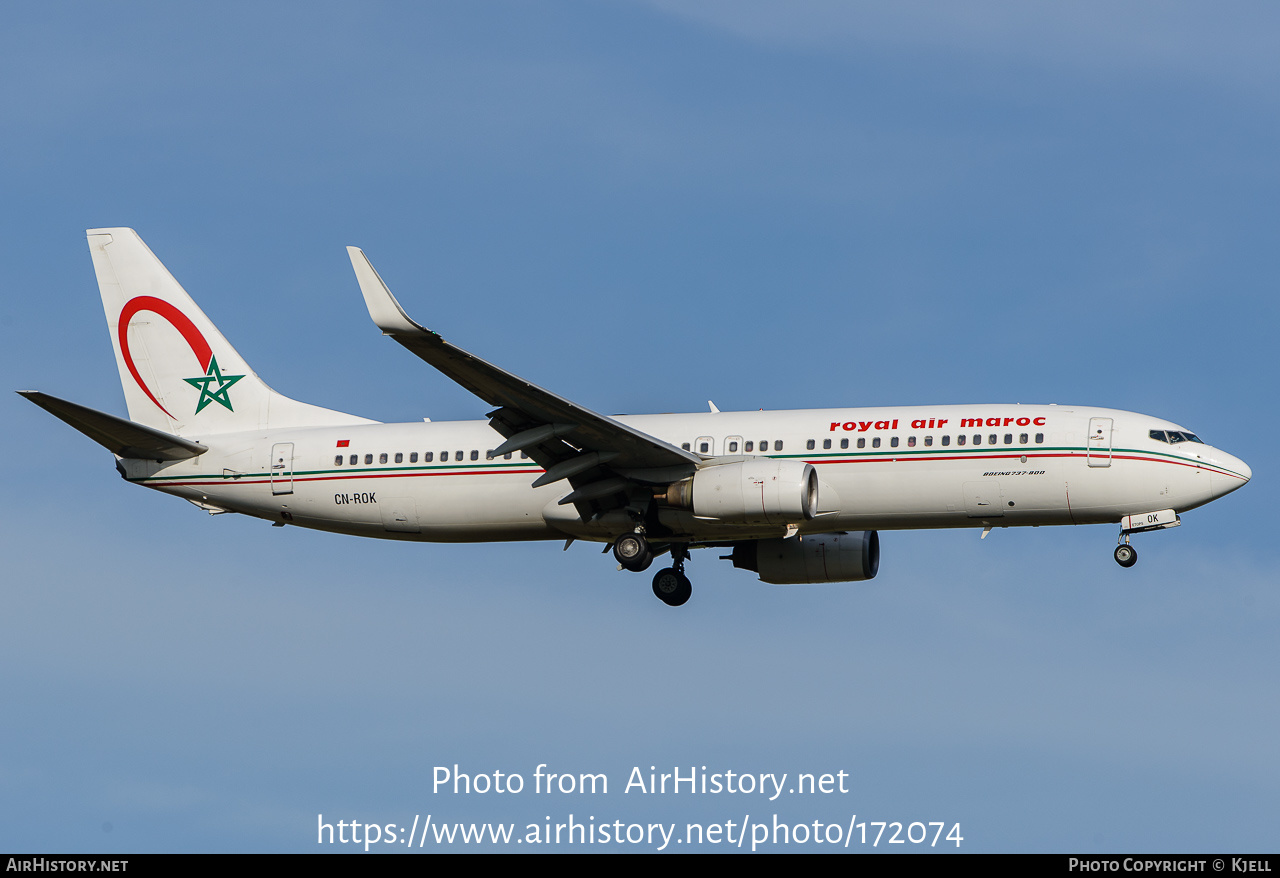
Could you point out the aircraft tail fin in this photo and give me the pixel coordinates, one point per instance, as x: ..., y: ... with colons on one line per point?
x: 179, y: 374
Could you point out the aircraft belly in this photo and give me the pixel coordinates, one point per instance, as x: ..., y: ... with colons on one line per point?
x: 448, y: 508
x: 1104, y: 494
x: 943, y: 493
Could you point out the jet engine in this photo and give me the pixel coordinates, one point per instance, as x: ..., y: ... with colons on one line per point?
x: 763, y: 491
x: 840, y: 557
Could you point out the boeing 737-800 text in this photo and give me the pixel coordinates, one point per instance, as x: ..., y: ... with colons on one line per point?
x: 797, y: 496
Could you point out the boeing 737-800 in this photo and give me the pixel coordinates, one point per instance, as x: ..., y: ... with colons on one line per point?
x: 796, y: 496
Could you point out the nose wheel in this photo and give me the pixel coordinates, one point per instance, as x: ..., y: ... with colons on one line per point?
x: 1126, y: 555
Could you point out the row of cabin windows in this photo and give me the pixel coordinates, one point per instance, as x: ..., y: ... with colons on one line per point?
x: 705, y: 448
x: 731, y: 447
x: 427, y: 457
x: 992, y: 439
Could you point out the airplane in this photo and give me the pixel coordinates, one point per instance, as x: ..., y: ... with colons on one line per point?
x: 795, y: 496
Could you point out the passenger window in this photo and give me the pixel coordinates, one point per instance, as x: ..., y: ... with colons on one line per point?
x: 1022, y: 438
x: 946, y: 440
x: 413, y: 457
x: 991, y: 440
x: 685, y: 446
x: 354, y: 459
x: 749, y: 446
x: 894, y: 442
x: 458, y: 455
x: 368, y: 459
x: 428, y: 456
x: 475, y: 454
x: 704, y: 448
x: 777, y: 444
x: 507, y: 456
x: 764, y: 446
x: 444, y: 455
x: 337, y: 461
x: 875, y: 443
x: 826, y: 443
x: 844, y: 443
x: 862, y: 441
x: 399, y: 457
x: 524, y: 455
x: 911, y: 441
x: 960, y: 440
x: 733, y: 447
x: 810, y: 445
x: 928, y: 440
x: 1039, y: 438
x: 1008, y: 438
x: 382, y: 458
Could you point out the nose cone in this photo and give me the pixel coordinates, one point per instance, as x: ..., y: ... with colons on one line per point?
x: 1228, y: 473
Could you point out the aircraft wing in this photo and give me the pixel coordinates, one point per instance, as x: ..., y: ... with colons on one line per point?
x: 596, y: 453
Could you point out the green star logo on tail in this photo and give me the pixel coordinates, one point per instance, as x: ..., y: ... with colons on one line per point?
x: 213, y: 386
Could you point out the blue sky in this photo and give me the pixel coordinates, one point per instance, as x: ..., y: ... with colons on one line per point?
x: 643, y: 206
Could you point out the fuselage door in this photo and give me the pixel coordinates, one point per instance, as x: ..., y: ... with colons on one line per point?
x: 282, y: 468
x: 1098, y: 452
x: 732, y: 445
x: 704, y: 445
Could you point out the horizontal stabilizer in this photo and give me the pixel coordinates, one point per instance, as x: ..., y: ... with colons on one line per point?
x: 117, y: 435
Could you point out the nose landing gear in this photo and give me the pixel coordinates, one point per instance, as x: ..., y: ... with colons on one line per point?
x: 1125, y: 554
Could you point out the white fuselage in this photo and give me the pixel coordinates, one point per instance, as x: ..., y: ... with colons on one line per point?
x: 879, y: 469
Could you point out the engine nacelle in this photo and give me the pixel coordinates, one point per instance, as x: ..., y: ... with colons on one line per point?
x: 762, y: 491
x: 842, y: 557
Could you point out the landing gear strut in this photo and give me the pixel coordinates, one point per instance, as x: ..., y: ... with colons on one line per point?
x: 670, y: 585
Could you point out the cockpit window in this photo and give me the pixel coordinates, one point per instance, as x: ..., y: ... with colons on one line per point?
x: 1173, y: 437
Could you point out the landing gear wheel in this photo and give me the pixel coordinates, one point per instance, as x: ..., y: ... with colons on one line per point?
x: 1126, y: 555
x: 672, y: 587
x: 633, y: 552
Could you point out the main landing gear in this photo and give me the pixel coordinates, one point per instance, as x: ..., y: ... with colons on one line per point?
x: 633, y: 552
x: 672, y: 587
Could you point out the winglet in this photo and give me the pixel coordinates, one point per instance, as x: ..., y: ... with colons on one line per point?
x: 383, y: 307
